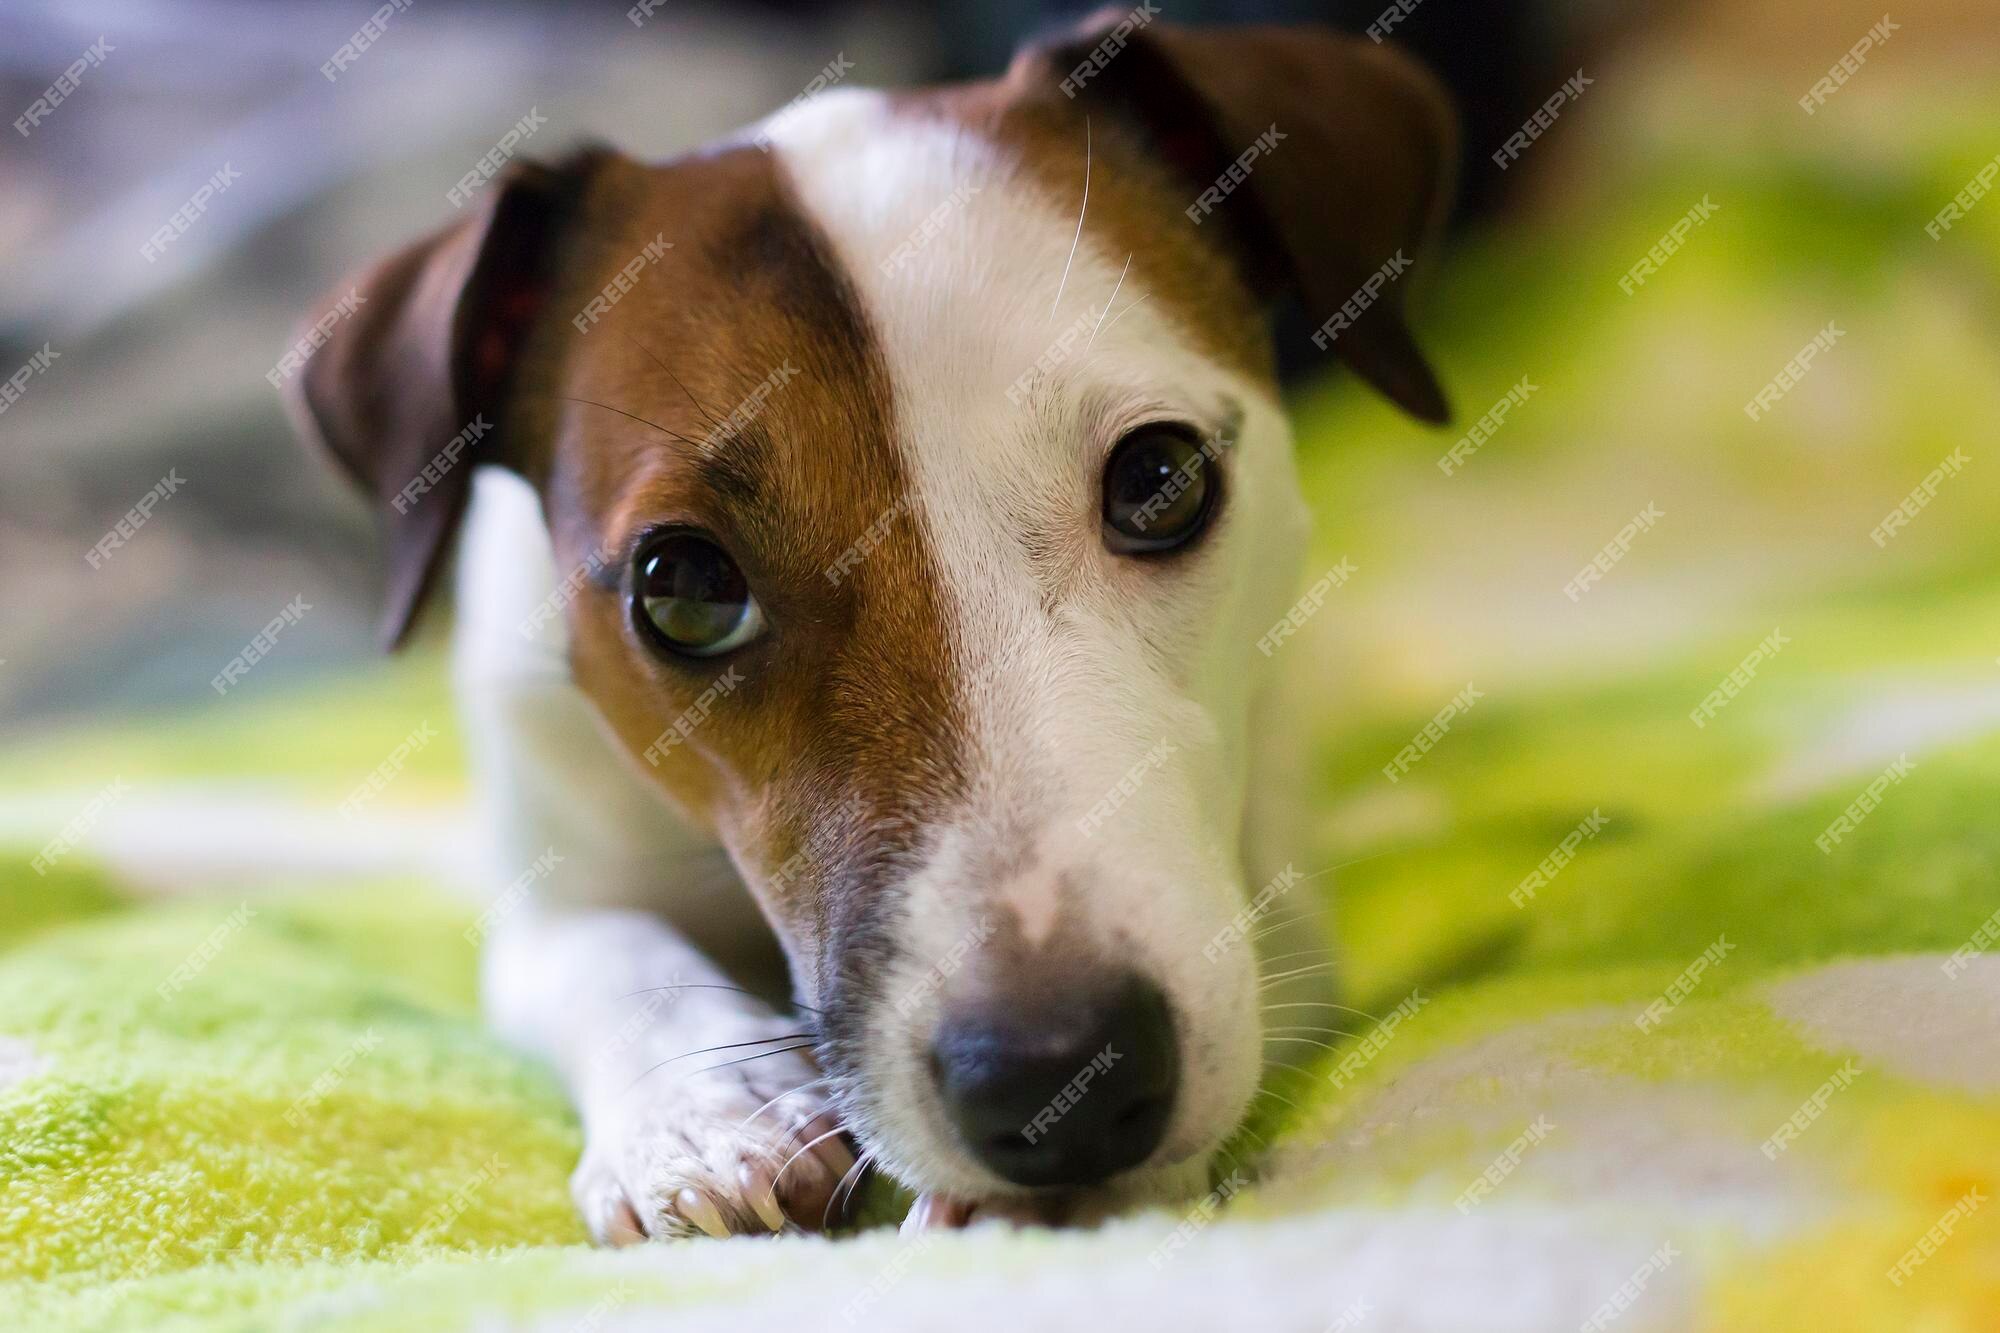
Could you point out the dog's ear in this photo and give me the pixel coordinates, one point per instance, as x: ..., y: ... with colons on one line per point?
x: 1358, y: 150
x: 412, y: 364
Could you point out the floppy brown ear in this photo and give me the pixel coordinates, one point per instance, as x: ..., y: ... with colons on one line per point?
x: 410, y: 366
x: 1357, y: 174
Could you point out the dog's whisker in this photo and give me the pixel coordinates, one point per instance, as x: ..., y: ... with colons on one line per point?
x: 708, y: 985
x: 1295, y: 973
x: 782, y: 1050
x: 850, y: 1181
x: 705, y: 1050
x: 1304, y: 1041
x: 803, y: 1148
x: 1057, y: 303
x: 1109, y: 301
x: 707, y: 415
x: 811, y: 1082
x: 1322, y: 1004
x: 1128, y: 310
x: 1280, y: 1097
x: 631, y: 416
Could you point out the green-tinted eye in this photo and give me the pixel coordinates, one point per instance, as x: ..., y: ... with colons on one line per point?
x: 692, y: 597
x: 1159, y: 490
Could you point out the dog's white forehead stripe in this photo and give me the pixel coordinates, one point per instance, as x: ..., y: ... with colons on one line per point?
x: 1108, y: 686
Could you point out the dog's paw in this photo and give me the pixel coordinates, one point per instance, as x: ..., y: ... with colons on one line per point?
x: 723, y: 1152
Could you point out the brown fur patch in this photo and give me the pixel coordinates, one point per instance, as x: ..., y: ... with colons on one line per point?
x: 843, y: 735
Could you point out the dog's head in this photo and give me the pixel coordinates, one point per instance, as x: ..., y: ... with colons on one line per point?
x: 922, y: 467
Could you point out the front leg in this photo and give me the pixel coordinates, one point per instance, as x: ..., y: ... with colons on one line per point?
x: 701, y: 1107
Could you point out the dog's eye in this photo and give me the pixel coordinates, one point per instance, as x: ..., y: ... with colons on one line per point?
x: 1159, y: 490
x: 692, y: 598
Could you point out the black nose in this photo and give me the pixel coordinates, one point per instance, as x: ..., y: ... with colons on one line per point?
x: 1061, y: 1091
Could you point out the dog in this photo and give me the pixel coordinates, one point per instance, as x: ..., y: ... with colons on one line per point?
x: 871, y: 531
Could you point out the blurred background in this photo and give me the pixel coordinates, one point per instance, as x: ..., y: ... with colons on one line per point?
x: 158, y: 380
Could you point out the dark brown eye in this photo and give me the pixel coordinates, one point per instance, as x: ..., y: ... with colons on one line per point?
x: 691, y: 598
x: 1159, y: 490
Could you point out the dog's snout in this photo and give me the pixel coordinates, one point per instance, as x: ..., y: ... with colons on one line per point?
x: 1059, y: 1090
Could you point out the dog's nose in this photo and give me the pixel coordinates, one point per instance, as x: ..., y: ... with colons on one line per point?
x: 1061, y: 1091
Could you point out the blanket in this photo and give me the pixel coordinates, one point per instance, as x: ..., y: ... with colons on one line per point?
x: 1655, y: 740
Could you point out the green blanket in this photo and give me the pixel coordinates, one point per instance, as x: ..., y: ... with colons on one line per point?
x: 1666, y: 946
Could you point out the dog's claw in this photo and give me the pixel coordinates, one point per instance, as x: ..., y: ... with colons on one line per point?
x: 695, y: 1206
x: 763, y: 1200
